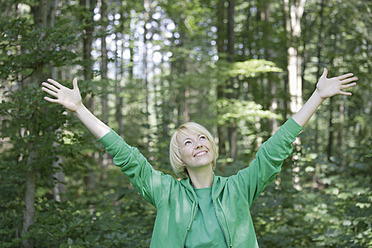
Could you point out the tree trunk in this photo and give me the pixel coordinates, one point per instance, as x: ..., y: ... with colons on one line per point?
x: 320, y: 39
x: 29, y: 209
x: 294, y: 82
x: 319, y: 56
x: 40, y: 16
x: 294, y: 14
x: 119, y: 76
x: 104, y: 60
x: 230, y: 31
x: 179, y: 67
x: 247, y: 48
x: 187, y: 104
x: 233, y: 135
x: 330, y: 130
x: 318, y: 73
x: 165, y: 118
x: 104, y: 77
x: 273, y: 105
x: 59, y: 189
x: 88, y: 7
x: 221, y: 130
x: 341, y: 134
x: 145, y: 73
x: 58, y: 178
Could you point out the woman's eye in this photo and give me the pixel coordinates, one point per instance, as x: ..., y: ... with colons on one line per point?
x: 187, y: 142
x: 202, y: 137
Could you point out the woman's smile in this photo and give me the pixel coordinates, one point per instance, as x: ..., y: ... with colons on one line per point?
x: 199, y: 154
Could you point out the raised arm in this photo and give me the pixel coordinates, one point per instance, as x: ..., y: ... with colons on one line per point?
x: 71, y: 99
x: 326, y: 87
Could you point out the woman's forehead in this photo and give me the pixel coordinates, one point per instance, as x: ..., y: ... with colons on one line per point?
x: 186, y: 133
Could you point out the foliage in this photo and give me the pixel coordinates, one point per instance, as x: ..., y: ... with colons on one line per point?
x: 39, y: 46
x: 248, y: 68
x: 333, y: 214
x: 233, y: 110
x: 88, y: 220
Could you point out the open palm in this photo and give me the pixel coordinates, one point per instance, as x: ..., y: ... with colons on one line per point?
x: 69, y: 98
x: 328, y: 87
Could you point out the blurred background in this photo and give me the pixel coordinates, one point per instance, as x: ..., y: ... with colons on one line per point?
x: 238, y: 67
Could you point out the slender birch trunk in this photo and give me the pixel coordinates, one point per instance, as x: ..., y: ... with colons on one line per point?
x: 294, y: 12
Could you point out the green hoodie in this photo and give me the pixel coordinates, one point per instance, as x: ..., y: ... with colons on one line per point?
x: 176, y: 201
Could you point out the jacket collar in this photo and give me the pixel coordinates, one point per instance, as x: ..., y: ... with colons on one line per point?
x: 217, y: 186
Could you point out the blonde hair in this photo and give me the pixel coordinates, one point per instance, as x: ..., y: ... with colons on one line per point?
x: 177, y: 164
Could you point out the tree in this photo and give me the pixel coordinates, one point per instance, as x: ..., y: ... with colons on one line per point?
x: 294, y: 12
x: 41, y: 20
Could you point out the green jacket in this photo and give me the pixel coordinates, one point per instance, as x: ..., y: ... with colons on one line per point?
x: 176, y: 201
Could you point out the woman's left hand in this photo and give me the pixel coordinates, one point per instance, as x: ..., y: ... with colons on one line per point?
x: 328, y: 87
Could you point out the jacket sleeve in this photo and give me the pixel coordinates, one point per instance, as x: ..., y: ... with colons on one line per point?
x: 150, y: 183
x: 269, y: 159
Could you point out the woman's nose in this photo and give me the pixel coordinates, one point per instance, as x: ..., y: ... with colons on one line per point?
x: 198, y: 145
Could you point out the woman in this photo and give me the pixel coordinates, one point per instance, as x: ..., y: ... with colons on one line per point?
x: 202, y: 209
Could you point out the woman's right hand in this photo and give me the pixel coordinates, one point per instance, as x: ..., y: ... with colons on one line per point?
x: 70, y: 99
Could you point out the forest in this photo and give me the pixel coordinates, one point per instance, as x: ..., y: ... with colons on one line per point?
x: 240, y: 68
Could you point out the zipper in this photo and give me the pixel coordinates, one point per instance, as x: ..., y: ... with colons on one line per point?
x: 215, y: 209
x: 189, y: 227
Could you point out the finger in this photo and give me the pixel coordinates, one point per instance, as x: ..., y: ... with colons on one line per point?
x: 51, y: 87
x: 344, y: 76
x: 325, y: 72
x: 58, y: 85
x: 345, y: 93
x: 348, y: 80
x: 50, y: 99
x: 49, y: 92
x: 74, y: 83
x: 348, y: 85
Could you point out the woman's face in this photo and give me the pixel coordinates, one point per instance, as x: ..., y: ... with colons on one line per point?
x: 195, y: 150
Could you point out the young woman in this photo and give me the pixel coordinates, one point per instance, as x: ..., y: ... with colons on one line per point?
x: 202, y: 209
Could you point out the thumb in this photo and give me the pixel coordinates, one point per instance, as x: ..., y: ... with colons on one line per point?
x: 325, y: 72
x: 74, y: 83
